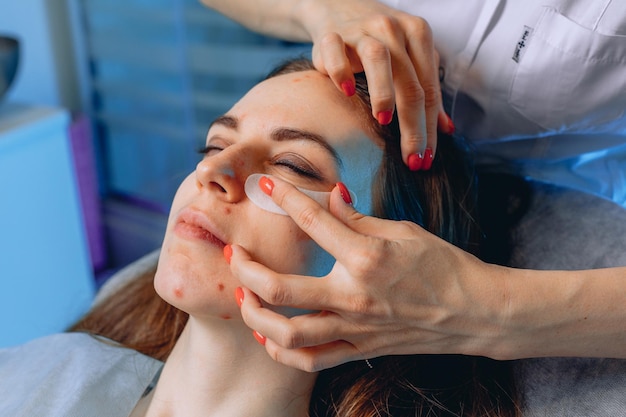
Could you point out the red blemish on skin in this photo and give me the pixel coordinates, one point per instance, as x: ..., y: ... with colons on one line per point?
x: 225, y: 317
x: 220, y: 287
x: 227, y: 210
x: 178, y: 292
x: 301, y: 78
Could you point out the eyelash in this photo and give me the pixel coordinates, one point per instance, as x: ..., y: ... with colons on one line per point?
x: 298, y: 169
x: 208, y: 148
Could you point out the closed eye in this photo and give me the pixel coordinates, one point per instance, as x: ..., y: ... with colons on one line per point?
x: 209, y: 150
x: 300, y: 168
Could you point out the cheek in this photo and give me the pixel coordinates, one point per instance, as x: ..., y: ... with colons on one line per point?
x: 283, y: 247
x: 194, y: 281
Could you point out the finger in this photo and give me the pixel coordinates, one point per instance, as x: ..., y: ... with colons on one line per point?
x: 330, y: 233
x: 405, y: 86
x: 329, y: 57
x: 444, y: 121
x: 425, y: 60
x: 314, y: 359
x: 410, y: 101
x: 282, y: 289
x: 376, y: 60
x: 296, y: 332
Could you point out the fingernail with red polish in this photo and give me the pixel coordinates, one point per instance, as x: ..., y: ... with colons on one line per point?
x: 228, y: 253
x: 415, y: 161
x: 259, y: 338
x: 266, y: 185
x: 428, y: 159
x: 348, y: 88
x: 451, y: 127
x: 345, y: 194
x: 239, y: 296
x: 384, y: 117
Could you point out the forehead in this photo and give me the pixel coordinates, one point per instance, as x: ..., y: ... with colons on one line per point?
x: 303, y: 100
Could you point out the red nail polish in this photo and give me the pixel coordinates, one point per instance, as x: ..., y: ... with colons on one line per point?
x: 239, y: 296
x: 415, y: 161
x: 345, y: 194
x: 451, y: 127
x: 266, y: 185
x: 428, y: 159
x: 228, y: 252
x: 259, y: 338
x: 348, y: 88
x: 384, y: 117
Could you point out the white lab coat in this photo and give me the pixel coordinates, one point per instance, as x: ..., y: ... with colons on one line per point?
x: 537, y: 83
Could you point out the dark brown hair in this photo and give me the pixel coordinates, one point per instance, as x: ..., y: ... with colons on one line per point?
x: 443, y: 201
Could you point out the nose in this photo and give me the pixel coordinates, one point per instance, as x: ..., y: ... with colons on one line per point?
x: 222, y: 174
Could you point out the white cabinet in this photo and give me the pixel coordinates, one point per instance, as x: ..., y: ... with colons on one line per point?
x: 45, y: 277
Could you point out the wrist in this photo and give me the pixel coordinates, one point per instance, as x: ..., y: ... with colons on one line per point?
x: 547, y: 313
x: 489, y: 312
x: 306, y: 15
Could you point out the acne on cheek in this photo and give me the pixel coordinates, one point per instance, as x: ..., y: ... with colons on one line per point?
x: 220, y: 287
x: 178, y: 293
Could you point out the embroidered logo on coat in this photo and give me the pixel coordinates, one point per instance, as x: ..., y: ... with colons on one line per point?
x: 520, y: 46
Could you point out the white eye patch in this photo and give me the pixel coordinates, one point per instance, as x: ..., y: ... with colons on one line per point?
x: 264, y: 201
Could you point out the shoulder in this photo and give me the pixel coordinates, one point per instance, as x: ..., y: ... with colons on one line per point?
x: 67, y: 374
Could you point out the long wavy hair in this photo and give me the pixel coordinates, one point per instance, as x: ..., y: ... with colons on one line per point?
x: 443, y: 200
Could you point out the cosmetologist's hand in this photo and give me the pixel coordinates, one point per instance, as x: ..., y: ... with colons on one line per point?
x: 397, y: 53
x: 395, y: 289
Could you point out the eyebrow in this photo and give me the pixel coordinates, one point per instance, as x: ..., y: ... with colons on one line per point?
x: 282, y: 134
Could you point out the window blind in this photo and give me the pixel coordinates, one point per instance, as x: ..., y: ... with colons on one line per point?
x: 162, y: 70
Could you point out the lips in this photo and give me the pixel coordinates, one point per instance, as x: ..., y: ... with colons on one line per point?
x: 192, y: 224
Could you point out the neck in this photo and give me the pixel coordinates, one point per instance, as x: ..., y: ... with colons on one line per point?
x: 218, y: 369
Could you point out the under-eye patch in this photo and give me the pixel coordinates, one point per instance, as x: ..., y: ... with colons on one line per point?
x: 264, y: 201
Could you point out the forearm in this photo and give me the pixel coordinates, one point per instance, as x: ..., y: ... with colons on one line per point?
x: 564, y: 313
x: 277, y: 18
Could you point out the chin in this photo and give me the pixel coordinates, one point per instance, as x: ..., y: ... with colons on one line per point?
x: 198, y: 288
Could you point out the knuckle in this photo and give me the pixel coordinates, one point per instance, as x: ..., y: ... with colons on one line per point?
x: 384, y: 98
x: 409, y: 228
x: 308, y: 217
x: 366, y: 263
x: 291, y: 338
x: 413, y: 93
x: 431, y: 94
x: 420, y: 30
x: 375, y: 51
x: 334, y: 67
x: 275, y: 294
x: 413, y: 139
x: 386, y: 24
x: 330, y: 38
x: 363, y: 304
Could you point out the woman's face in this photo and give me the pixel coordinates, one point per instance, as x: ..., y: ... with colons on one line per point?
x: 297, y: 127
